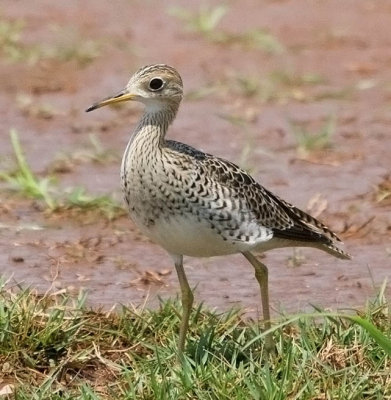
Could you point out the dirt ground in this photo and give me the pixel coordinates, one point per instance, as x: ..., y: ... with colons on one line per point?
x: 318, y: 65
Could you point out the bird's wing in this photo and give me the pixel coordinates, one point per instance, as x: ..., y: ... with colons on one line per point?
x: 226, y: 194
x: 285, y: 220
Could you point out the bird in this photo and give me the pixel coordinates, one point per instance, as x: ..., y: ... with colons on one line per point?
x: 195, y: 204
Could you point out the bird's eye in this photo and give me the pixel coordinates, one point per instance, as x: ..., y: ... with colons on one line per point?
x: 156, y: 84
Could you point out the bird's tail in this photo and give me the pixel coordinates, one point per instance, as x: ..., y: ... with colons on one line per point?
x: 332, y: 249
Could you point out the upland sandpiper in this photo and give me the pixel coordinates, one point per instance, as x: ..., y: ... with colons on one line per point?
x: 195, y: 204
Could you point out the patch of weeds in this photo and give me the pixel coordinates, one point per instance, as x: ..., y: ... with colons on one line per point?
x: 93, y: 152
x: 245, y: 159
x: 309, y: 141
x: 98, y: 153
x: 345, y: 93
x: 205, y: 22
x: 237, y: 120
x: 201, y: 92
x: 253, y: 39
x: 72, y: 46
x: 11, y: 45
x: 10, y: 32
x: 24, y: 180
x: 80, y: 200
x: 54, y: 347
x: 278, y: 86
x: 282, y: 85
x: 31, y: 108
x: 293, y: 79
x: 249, y: 86
x: 69, y: 46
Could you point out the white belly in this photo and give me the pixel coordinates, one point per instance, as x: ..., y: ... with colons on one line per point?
x: 189, y: 237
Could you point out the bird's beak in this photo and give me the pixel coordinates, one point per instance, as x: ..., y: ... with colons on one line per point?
x: 124, y: 95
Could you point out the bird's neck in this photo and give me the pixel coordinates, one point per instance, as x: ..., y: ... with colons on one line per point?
x: 153, y: 126
x: 148, y: 139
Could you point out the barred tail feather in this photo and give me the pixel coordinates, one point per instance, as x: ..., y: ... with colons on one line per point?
x: 335, y: 251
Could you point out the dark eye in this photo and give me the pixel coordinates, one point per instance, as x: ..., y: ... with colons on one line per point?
x: 156, y: 84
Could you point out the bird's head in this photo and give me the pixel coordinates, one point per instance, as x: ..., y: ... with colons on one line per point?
x: 157, y: 86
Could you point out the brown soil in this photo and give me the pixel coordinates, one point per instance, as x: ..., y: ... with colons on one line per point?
x: 346, y: 44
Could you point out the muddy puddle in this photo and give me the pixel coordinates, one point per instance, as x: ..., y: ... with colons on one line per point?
x: 305, y: 107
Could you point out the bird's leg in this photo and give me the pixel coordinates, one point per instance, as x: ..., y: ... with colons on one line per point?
x: 187, y: 302
x: 261, y: 274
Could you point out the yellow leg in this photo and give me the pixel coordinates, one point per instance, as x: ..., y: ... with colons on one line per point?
x: 187, y: 302
x: 261, y: 274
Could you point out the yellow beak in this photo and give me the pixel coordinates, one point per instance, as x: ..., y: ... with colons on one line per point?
x: 121, y: 96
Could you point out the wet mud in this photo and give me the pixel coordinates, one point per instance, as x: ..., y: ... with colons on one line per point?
x: 245, y: 102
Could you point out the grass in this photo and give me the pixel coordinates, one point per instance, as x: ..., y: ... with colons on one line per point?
x: 72, y: 45
x: 54, y: 347
x: 260, y: 39
x: 279, y: 86
x: 309, y: 141
x: 205, y: 22
x: 79, y: 199
x: 11, y: 45
x: 25, y: 182
x: 245, y: 159
x: 68, y: 45
x: 294, y: 79
x: 93, y: 151
x: 31, y: 108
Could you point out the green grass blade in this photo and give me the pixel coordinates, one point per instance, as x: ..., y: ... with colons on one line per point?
x: 378, y: 336
x: 20, y: 159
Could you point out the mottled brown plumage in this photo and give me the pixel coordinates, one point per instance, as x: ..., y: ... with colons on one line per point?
x: 195, y: 204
